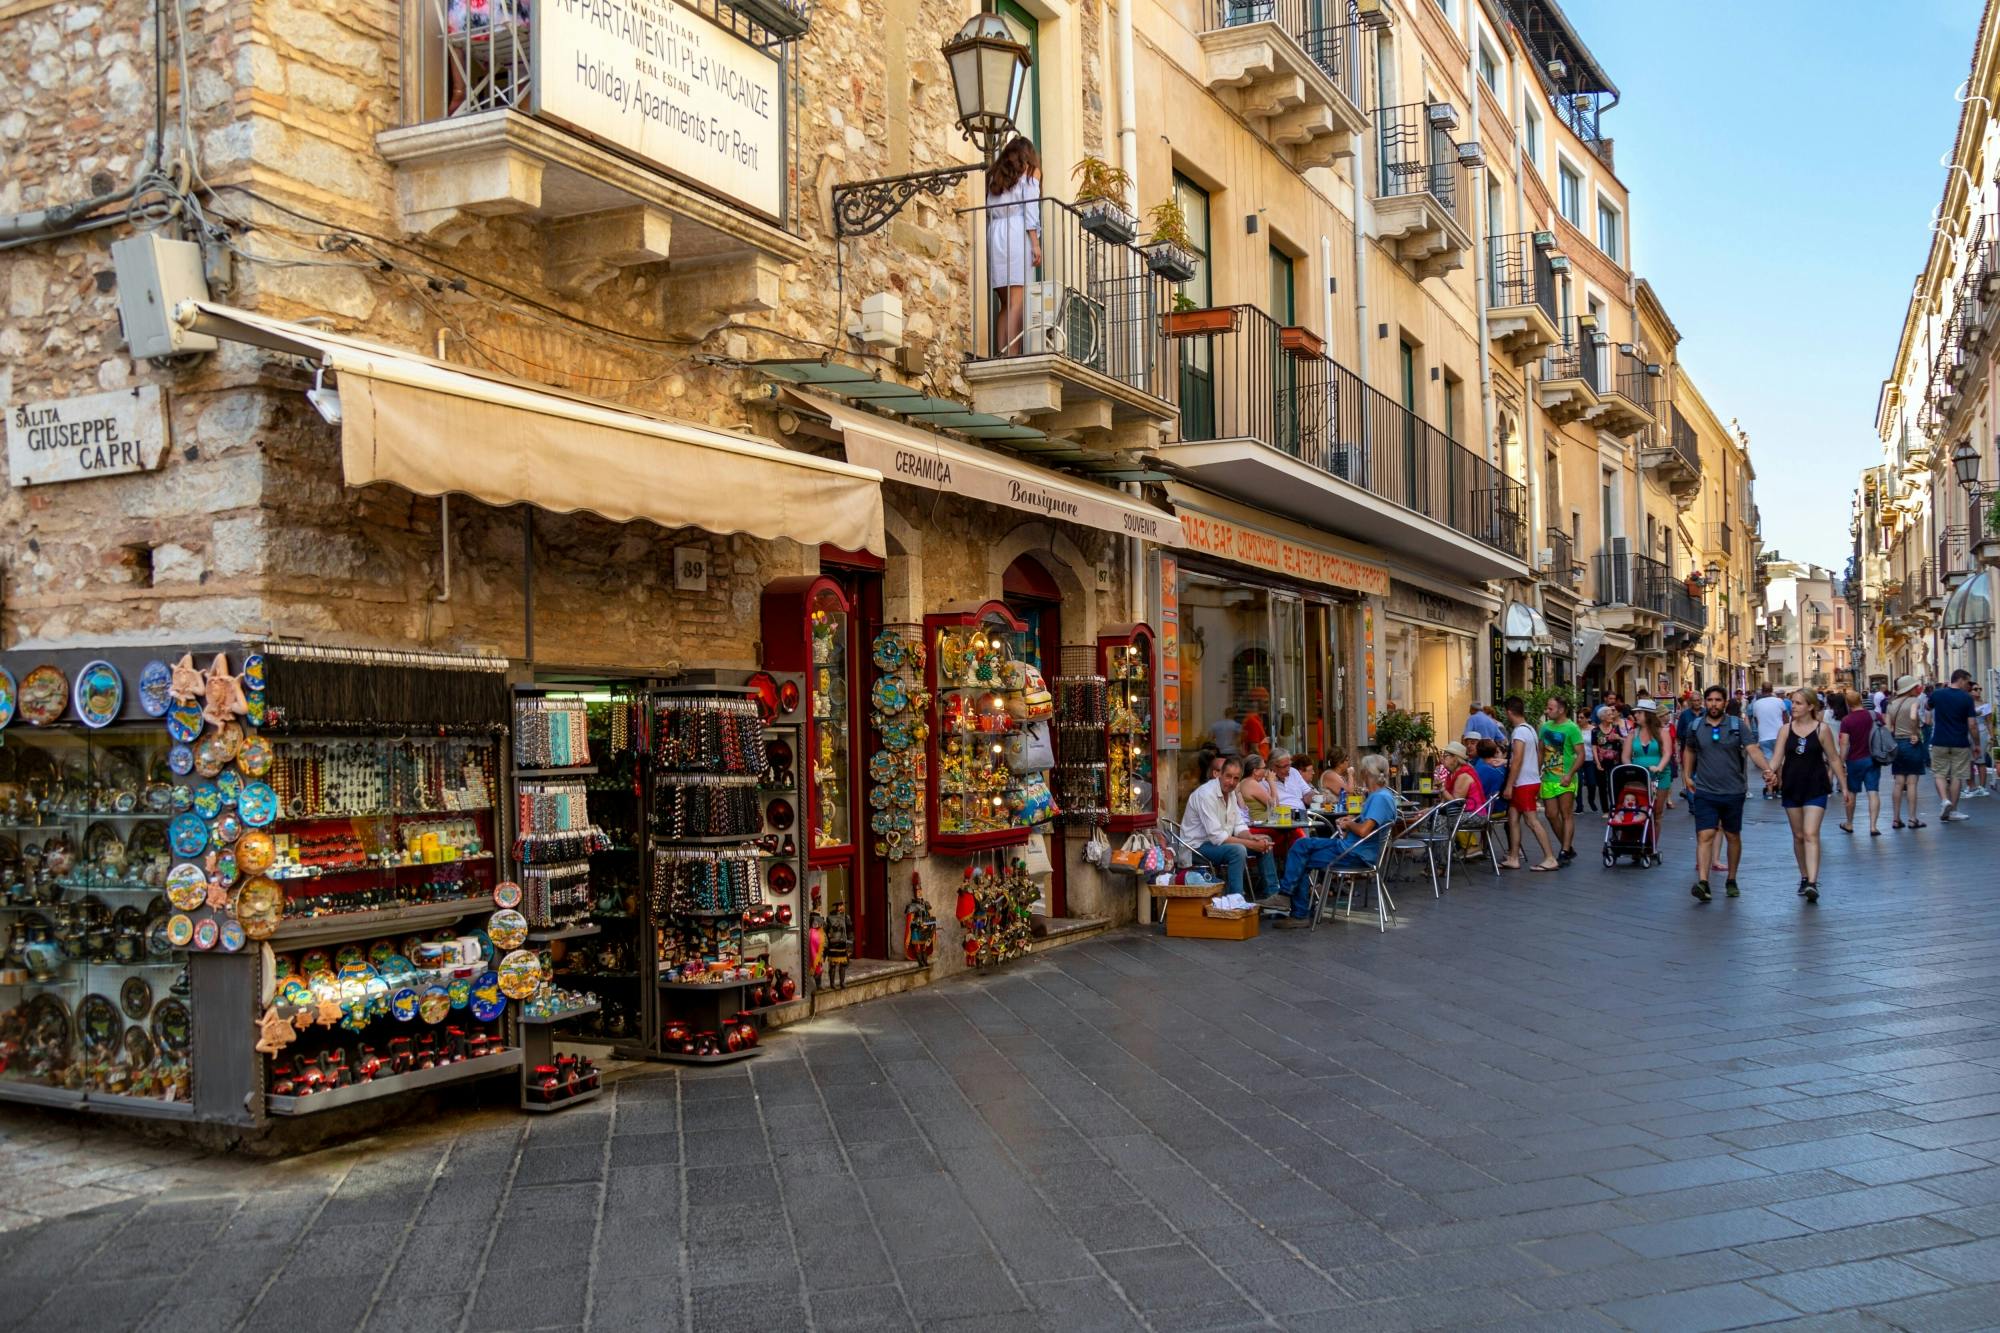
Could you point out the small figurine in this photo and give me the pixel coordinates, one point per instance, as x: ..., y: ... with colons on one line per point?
x: 919, y: 925
x: 223, y: 692
x: 839, y: 944
x: 273, y: 1032
x: 816, y: 945
x: 187, y: 685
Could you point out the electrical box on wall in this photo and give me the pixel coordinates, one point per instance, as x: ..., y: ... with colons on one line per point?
x: 156, y: 274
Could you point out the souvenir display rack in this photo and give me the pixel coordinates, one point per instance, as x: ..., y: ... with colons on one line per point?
x: 722, y: 874
x: 972, y: 654
x: 899, y: 764
x: 1126, y: 658
x: 1082, y: 715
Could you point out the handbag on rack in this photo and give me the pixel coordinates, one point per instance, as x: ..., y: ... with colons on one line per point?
x: 1097, y: 851
x: 1037, y: 802
x: 1157, y: 858
x: 1132, y: 855
x: 1035, y: 855
x: 1029, y: 750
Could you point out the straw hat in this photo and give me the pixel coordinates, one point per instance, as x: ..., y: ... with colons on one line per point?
x: 1905, y: 684
x: 1645, y: 706
x: 1453, y: 748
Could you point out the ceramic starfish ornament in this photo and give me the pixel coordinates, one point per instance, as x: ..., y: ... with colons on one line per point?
x: 224, y: 693
x: 187, y: 685
x: 218, y: 894
x: 274, y: 1033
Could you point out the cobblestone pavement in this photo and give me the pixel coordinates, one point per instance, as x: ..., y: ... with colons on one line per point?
x: 1551, y: 1102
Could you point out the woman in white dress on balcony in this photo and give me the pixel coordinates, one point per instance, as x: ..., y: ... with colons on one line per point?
x: 1013, y: 239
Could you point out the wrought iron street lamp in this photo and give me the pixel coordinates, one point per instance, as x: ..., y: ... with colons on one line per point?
x: 989, y: 73
x: 1965, y: 462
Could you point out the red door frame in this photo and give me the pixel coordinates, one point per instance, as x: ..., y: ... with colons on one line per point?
x: 859, y: 575
x: 1030, y: 592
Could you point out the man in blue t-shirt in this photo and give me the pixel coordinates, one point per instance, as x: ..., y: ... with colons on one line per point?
x: 1351, y: 848
x: 1952, y: 708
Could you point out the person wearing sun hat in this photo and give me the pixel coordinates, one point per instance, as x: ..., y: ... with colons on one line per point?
x: 1905, y: 712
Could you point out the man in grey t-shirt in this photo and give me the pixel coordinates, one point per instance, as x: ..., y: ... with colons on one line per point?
x: 1716, y: 747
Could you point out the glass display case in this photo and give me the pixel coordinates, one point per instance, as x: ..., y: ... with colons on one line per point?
x: 989, y: 789
x: 94, y: 994
x: 807, y: 625
x: 1126, y: 660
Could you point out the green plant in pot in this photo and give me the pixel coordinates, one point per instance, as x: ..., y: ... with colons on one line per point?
x: 1100, y: 200
x: 1405, y: 738
x: 1170, y: 250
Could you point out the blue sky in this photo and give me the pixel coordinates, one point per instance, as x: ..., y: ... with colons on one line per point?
x: 1783, y: 162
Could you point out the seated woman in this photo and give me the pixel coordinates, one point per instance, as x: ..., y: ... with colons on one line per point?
x: 1344, y: 850
x: 1461, y: 781
x: 1492, y: 773
x: 1336, y: 777
x: 1257, y: 791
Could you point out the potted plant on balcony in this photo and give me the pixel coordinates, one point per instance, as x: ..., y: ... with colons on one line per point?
x: 1301, y: 343
x: 1986, y: 546
x: 1188, y: 320
x: 1100, y: 201
x: 1170, y: 251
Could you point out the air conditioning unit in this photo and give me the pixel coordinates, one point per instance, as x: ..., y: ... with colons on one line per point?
x: 1063, y: 321
x: 1442, y: 116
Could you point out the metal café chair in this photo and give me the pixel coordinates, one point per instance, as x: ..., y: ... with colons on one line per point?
x: 1322, y: 881
x: 1480, y: 821
x: 1435, y: 834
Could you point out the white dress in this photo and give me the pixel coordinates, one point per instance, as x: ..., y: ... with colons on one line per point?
x: 1010, y: 216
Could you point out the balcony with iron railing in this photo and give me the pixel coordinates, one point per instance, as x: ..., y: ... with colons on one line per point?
x: 1423, y: 188
x: 1086, y: 347
x: 1687, y: 610
x: 1572, y: 372
x: 1628, y: 580
x: 1563, y: 571
x: 1626, y: 398
x: 1954, y: 559
x: 502, y: 117
x: 1521, y: 306
x: 1268, y: 419
x: 1673, y: 451
x: 1289, y: 70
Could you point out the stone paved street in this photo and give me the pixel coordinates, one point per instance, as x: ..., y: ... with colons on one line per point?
x: 1574, y: 1101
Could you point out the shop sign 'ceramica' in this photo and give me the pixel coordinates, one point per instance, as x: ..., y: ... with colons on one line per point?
x: 96, y: 435
x: 657, y: 80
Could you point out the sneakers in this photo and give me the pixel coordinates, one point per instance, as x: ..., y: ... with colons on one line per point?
x: 1954, y: 815
x: 1276, y: 902
x: 1731, y: 889
x: 1700, y: 891
x: 1565, y: 856
x: 1804, y: 884
x: 1811, y: 891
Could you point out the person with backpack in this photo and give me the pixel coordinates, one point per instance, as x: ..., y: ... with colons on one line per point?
x: 1867, y: 748
x: 1905, y: 719
x: 1718, y: 786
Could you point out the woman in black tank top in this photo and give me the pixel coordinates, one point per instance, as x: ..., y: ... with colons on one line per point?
x: 1807, y: 776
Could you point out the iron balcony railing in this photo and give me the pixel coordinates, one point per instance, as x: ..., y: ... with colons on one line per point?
x: 1333, y: 46
x: 1419, y: 157
x: 1246, y: 384
x: 1562, y: 556
x: 1686, y: 607
x: 1955, y: 550
x: 1577, y: 357
x: 1089, y: 301
x: 1626, y: 579
x: 1683, y: 442
x: 1634, y: 383
x: 1521, y: 272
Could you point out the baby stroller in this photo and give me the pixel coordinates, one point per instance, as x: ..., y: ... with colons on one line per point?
x: 1630, y: 829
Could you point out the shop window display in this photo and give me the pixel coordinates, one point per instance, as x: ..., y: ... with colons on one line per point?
x: 990, y: 731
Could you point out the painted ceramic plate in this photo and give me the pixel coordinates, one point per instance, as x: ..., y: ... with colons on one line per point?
x: 232, y: 937
x: 350, y: 960
x: 506, y: 894
x: 882, y: 766
x: 295, y: 993
x: 181, y: 797
x: 99, y: 694
x: 158, y: 946
x: 209, y: 760
x: 888, y: 652
x: 154, y: 677
x: 487, y: 1001
x: 97, y: 1018
x: 890, y: 695
x: 315, y: 962
x: 180, y: 929
x: 7, y: 696
x: 434, y: 1004
x: 253, y: 704
x: 507, y: 928
x: 206, y: 932
x: 229, y: 787
x: 188, y: 835
x: 255, y: 851
x: 257, y: 805
x: 403, y: 1004
x: 227, y: 830
x: 253, y: 672
x: 138, y: 1048
x: 207, y: 801
x: 260, y: 906
x: 44, y: 696
x: 135, y: 997
x: 184, y: 722
x: 231, y: 734
x: 520, y: 974
x: 255, y: 757
x: 170, y: 1026
x: 460, y: 991
x: 395, y: 965
x: 187, y: 885
x: 225, y: 867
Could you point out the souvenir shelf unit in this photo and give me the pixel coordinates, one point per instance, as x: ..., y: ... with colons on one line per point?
x: 724, y: 861
x: 972, y: 677
x: 1126, y: 659
x: 808, y: 629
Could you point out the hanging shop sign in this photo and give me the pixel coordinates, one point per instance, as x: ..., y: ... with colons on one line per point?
x: 1281, y: 555
x: 96, y: 435
x: 657, y: 80
x: 1170, y: 653
x: 1413, y: 603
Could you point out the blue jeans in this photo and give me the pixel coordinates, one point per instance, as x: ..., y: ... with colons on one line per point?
x: 1233, y: 858
x: 1310, y: 854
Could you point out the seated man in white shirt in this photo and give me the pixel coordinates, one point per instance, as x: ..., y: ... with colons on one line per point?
x: 1287, y: 783
x: 1216, y: 824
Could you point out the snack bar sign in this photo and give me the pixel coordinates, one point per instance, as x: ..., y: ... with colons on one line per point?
x: 97, y: 435
x: 664, y: 84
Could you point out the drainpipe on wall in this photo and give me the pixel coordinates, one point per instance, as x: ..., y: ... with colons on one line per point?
x: 1480, y: 264
x: 1128, y: 108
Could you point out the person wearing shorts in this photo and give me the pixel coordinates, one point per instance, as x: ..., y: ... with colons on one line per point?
x: 1855, y: 733
x: 1717, y: 786
x: 1953, y: 711
x: 1905, y: 722
x: 1809, y: 773
x: 1562, y: 748
x: 1524, y: 784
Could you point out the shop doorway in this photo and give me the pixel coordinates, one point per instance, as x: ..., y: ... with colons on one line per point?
x: 863, y: 882
x: 1034, y: 596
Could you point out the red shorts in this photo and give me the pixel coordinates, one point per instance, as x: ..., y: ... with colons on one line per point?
x: 1526, y: 796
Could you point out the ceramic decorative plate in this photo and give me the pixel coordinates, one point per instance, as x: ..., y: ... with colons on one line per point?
x: 138, y: 1048
x: 154, y: 677
x: 180, y: 929
x: 170, y: 1026
x: 253, y: 705
x: 99, y: 694
x: 403, y: 1004
x: 232, y: 936
x: 187, y: 886
x: 188, y: 835
x: 255, y: 757
x: 778, y: 814
x: 255, y: 851
x: 520, y: 974
x: 181, y: 797
x: 395, y: 965
x: 460, y: 992
x: 207, y: 801
x: 435, y: 1005
x: 257, y: 805
x: 135, y: 997
x: 97, y: 1018
x: 295, y: 993
x: 890, y: 695
x: 506, y: 894
x: 184, y: 722
x: 380, y: 952
x: 783, y: 878
x: 487, y: 1001
x: 206, y: 933
x: 260, y: 906
x: 227, y: 830
x: 209, y: 759
x: 350, y: 960
x: 7, y: 696
x: 232, y: 735
x: 507, y: 928
x: 315, y: 962
x: 225, y: 865
x: 44, y: 696
x: 229, y: 786
x: 159, y: 943
x: 253, y: 672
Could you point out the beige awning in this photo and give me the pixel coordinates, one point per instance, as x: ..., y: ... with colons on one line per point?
x: 436, y: 428
x: 918, y: 457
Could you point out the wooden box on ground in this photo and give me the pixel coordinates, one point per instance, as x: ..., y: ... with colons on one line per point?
x: 1185, y: 920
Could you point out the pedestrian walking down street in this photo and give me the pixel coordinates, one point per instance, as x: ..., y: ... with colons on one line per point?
x: 1857, y: 739
x: 1808, y: 774
x: 1952, y: 713
x: 1651, y: 747
x: 1982, y: 742
x: 1906, y: 770
x: 1718, y: 786
x: 1562, y: 754
x: 1524, y: 787
x: 1768, y: 711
